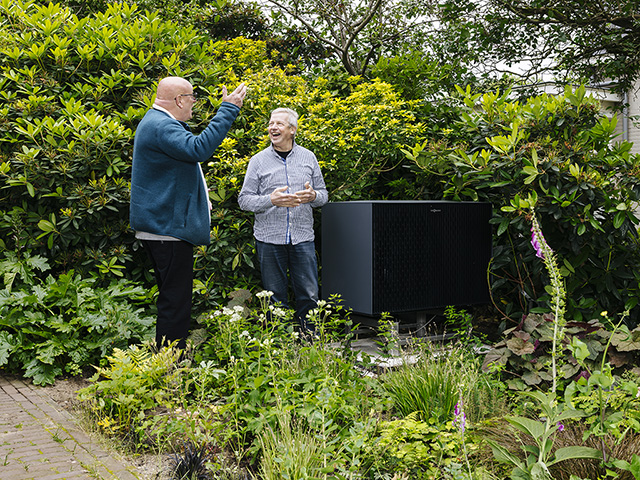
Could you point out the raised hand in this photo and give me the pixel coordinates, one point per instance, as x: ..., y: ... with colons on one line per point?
x: 237, y: 96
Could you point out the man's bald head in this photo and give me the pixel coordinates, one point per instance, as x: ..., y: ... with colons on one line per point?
x: 170, y: 87
x: 175, y: 94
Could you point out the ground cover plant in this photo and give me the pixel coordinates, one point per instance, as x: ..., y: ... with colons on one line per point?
x: 63, y: 325
x: 250, y: 397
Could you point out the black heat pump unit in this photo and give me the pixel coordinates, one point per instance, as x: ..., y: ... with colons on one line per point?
x: 406, y: 256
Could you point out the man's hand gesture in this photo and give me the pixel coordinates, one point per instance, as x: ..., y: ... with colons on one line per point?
x: 280, y: 198
x: 307, y: 195
x: 237, y: 96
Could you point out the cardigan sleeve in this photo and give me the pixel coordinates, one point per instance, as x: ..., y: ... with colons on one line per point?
x: 179, y: 143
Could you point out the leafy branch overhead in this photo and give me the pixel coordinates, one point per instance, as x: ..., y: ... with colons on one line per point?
x: 592, y: 41
x: 361, y: 32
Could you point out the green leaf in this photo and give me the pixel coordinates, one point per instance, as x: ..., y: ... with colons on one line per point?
x: 566, y: 453
x: 570, y: 413
x: 48, y: 351
x: 36, y: 261
x: 40, y: 373
x: 501, y: 454
x: 568, y: 266
x: 7, y: 346
x: 46, y: 226
x: 540, y: 471
x: 619, y: 219
x: 579, y: 349
x: 526, y: 425
x: 634, y: 466
x: 534, y: 156
x: 601, y: 380
x: 258, y: 381
x: 504, y: 224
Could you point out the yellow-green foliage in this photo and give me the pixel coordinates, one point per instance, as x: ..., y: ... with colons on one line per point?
x: 357, y: 137
x: 415, y: 449
x: 72, y: 91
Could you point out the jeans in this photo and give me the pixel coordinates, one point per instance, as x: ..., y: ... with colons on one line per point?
x: 300, y: 262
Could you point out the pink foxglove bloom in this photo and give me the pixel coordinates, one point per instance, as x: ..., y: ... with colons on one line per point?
x: 460, y: 419
x: 537, y: 245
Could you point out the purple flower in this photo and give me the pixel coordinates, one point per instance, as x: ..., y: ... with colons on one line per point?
x: 538, y: 241
x: 536, y: 244
x: 560, y: 427
x: 460, y: 419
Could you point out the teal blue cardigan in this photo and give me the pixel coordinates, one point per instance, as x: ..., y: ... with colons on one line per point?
x: 168, y: 196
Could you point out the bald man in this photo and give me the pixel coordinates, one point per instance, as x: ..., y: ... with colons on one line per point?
x: 170, y: 209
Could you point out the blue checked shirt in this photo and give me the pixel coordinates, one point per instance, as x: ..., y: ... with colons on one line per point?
x: 267, y: 171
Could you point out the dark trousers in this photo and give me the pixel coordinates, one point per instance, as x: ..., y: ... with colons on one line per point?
x: 173, y: 267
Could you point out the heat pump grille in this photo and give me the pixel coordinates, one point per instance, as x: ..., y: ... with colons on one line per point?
x: 424, y: 255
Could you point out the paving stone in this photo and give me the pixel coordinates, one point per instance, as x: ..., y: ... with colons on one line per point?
x: 40, y: 441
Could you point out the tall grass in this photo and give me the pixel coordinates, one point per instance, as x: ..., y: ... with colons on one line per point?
x: 440, y: 378
x: 290, y: 452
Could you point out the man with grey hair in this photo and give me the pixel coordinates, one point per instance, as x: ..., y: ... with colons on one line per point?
x: 170, y: 209
x: 282, y: 185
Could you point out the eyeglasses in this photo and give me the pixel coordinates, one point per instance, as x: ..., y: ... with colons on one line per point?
x: 194, y: 96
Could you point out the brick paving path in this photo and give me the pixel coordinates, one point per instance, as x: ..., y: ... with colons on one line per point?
x: 40, y: 441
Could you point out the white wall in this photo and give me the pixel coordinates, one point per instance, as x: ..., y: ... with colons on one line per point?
x: 633, y: 111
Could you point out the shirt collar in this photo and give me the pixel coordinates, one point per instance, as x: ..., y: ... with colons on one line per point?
x: 162, y: 109
x: 293, y: 146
